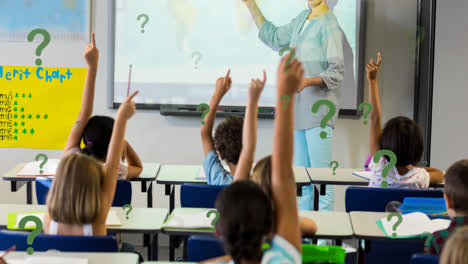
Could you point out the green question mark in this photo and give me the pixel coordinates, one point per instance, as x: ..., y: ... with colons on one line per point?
x: 43, y: 44
x: 38, y: 156
x: 34, y: 233
x: 286, y: 101
x: 144, y: 22
x: 207, y: 110
x: 334, y: 168
x: 328, y: 117
x: 291, y: 58
x: 369, y: 110
x: 128, y: 212
x: 398, y: 222
x: 390, y: 165
x: 425, y: 163
x: 198, y: 55
x: 78, y: 123
x: 210, y: 212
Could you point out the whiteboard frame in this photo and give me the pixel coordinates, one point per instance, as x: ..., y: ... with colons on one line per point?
x: 361, y: 19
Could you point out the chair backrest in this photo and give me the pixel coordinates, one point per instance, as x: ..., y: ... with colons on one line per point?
x: 62, y: 243
x: 424, y: 259
x: 204, y: 247
x: 123, y: 191
x: 199, y: 195
x: 375, y: 199
x: 42, y: 189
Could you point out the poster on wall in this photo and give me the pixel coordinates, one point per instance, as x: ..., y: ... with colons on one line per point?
x: 65, y: 20
x: 38, y: 105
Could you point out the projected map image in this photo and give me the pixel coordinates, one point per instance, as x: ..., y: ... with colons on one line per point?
x: 188, y: 44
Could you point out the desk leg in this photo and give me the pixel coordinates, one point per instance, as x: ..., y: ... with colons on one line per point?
x: 149, y: 243
x: 360, y: 253
x: 154, y: 248
x: 13, y: 186
x: 143, y: 186
x: 172, y: 199
x: 316, y: 198
x: 171, y: 248
x: 29, y: 192
x: 323, y: 189
x: 339, y: 242
x: 185, y: 253
x: 149, y: 196
x: 299, y: 190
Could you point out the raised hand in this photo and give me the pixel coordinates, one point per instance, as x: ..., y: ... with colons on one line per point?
x: 256, y: 87
x: 223, y: 85
x: 289, y: 83
x: 91, y: 53
x: 373, y: 68
x: 127, y: 109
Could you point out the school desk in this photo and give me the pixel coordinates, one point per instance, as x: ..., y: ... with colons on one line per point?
x: 365, y: 228
x: 148, y: 175
x: 332, y: 225
x: 147, y: 221
x: 171, y: 175
x: 343, y: 176
x: 93, y: 257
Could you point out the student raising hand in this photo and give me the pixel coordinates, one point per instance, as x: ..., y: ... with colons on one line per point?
x: 249, y: 130
x: 373, y: 68
x: 91, y: 55
x: 283, y: 182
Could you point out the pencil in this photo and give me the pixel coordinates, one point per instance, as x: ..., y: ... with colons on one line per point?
x: 129, y: 80
x: 13, y: 248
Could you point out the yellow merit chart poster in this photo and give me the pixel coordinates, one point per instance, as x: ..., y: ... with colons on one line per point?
x: 38, y: 105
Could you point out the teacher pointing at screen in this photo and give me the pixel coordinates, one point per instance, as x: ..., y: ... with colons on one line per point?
x: 317, y: 37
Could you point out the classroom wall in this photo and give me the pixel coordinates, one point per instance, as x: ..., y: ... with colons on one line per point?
x: 176, y: 140
x: 449, y: 126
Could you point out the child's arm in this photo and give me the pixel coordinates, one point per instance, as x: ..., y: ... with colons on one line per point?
x: 91, y: 55
x: 255, y: 12
x: 249, y: 130
x: 126, y: 111
x: 436, y: 175
x: 135, y: 167
x: 283, y: 182
x: 307, y: 225
x: 222, y: 86
x: 376, y: 114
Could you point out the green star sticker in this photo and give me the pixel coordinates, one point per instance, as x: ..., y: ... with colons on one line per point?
x: 24, y: 95
x: 15, y: 116
x: 31, y: 131
x: 25, y: 131
x: 30, y: 95
x: 46, y: 116
x: 15, y: 109
x: 16, y: 103
x: 15, y: 138
x: 23, y: 116
x: 38, y: 116
x: 22, y: 109
x: 15, y: 124
x: 30, y: 116
x: 16, y: 95
x: 22, y: 123
x: 16, y: 131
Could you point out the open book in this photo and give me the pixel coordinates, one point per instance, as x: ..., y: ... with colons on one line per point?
x: 48, y: 260
x: 412, y: 225
x: 113, y: 219
x: 33, y: 169
x: 191, y: 220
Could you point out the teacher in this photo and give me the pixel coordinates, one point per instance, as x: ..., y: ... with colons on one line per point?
x: 317, y: 37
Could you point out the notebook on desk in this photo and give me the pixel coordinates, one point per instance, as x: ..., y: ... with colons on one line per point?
x: 33, y: 169
x: 363, y: 174
x: 198, y: 220
x: 113, y: 219
x: 412, y: 225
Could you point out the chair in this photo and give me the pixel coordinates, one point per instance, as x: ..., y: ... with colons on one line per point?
x: 62, y: 243
x: 123, y: 191
x: 375, y: 200
x: 199, y: 195
x: 424, y: 259
x: 203, y: 247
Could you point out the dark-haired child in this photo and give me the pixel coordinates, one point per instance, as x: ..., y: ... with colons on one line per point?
x: 96, y: 132
x: 246, y: 213
x: 456, y: 200
x: 227, y: 142
x: 403, y: 137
